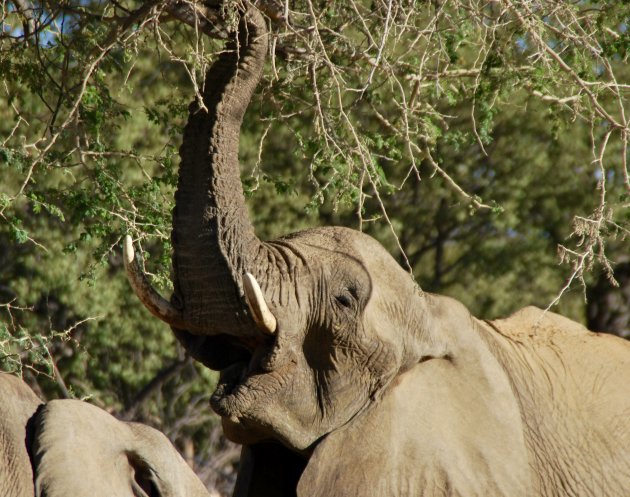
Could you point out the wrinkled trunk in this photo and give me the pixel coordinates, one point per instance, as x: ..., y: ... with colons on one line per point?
x: 213, y: 238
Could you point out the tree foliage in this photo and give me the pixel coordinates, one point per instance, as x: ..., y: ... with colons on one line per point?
x: 484, y: 143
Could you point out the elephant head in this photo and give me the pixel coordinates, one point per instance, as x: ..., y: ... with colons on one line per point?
x: 309, y: 330
x: 79, y: 449
x: 306, y: 329
x: 72, y: 448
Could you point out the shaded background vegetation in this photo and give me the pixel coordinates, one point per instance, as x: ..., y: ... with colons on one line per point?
x: 483, y: 143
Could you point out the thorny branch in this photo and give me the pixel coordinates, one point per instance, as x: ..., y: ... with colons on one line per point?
x: 22, y: 349
x: 347, y: 56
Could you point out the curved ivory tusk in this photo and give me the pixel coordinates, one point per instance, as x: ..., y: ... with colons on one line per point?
x: 265, y: 320
x: 152, y: 300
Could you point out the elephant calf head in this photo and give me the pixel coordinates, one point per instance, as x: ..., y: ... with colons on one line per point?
x: 81, y: 450
x: 71, y: 448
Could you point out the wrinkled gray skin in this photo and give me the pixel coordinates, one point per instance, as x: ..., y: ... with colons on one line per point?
x: 371, y: 387
x: 68, y: 448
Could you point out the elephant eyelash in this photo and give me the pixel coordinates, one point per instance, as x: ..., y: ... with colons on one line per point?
x: 348, y: 298
x: 343, y: 300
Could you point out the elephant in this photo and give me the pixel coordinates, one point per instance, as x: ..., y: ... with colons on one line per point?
x: 341, y: 377
x: 69, y: 448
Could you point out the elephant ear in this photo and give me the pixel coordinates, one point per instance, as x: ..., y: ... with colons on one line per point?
x: 268, y: 469
x: 81, y: 450
x: 432, y: 433
x: 160, y: 467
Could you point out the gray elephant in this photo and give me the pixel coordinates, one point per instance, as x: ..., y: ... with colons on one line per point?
x: 68, y: 448
x: 340, y: 377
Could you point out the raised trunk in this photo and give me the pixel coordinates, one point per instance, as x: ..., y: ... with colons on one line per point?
x: 213, y: 239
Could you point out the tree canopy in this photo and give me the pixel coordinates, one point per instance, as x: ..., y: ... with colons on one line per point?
x: 485, y: 144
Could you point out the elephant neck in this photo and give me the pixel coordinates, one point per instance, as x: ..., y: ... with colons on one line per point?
x: 448, y: 421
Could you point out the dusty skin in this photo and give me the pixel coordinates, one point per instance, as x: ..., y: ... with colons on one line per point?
x: 341, y: 378
x: 68, y: 448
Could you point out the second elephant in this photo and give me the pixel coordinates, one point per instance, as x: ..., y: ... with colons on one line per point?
x: 71, y: 448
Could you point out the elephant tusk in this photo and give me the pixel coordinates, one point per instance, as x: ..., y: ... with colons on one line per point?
x: 150, y: 298
x: 263, y: 317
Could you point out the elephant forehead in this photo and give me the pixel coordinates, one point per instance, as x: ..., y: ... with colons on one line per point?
x: 344, y: 253
x: 385, y: 272
x: 75, y: 419
x: 70, y: 430
x: 341, y: 241
x: 76, y: 446
x: 328, y: 238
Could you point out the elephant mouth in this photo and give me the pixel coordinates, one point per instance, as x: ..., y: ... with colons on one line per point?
x: 248, y: 384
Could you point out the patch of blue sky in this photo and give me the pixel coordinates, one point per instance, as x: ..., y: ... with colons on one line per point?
x: 50, y: 26
x: 521, y: 44
x: 610, y: 174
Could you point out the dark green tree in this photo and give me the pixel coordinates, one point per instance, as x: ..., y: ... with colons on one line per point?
x: 484, y: 143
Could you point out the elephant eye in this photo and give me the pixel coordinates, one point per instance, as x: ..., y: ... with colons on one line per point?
x: 347, y: 297
x: 344, y: 300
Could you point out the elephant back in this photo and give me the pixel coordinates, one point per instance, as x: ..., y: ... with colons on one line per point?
x: 534, y: 324
x: 570, y: 384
